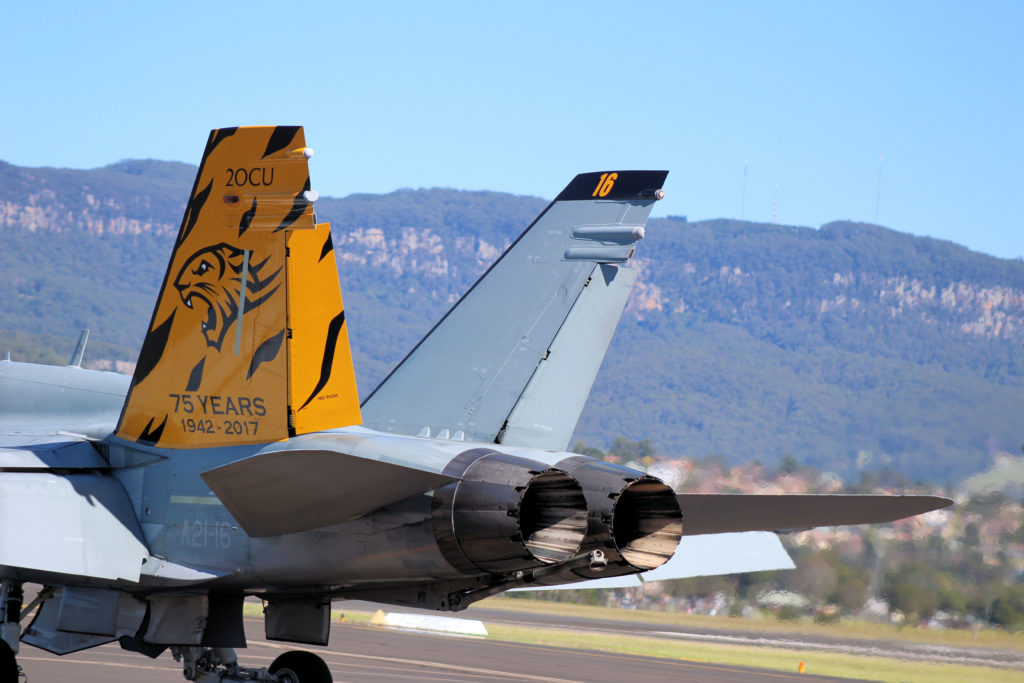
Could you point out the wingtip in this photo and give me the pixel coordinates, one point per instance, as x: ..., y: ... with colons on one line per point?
x: 937, y: 502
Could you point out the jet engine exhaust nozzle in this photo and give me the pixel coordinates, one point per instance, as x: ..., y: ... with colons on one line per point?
x: 647, y: 523
x: 553, y: 516
x: 509, y: 513
x: 633, y: 516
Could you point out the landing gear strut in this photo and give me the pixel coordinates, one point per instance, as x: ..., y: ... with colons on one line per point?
x: 11, y: 596
x: 213, y: 665
x: 9, y: 668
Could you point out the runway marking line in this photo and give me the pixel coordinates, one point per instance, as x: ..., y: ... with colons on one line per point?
x: 427, y: 663
x: 392, y: 670
x: 407, y: 674
x: 453, y: 668
x: 117, y: 665
x: 683, y: 661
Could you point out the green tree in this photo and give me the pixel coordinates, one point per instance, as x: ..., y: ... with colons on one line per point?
x: 632, y: 450
x: 915, y: 588
x: 583, y: 449
x: 1008, y: 609
x: 789, y: 465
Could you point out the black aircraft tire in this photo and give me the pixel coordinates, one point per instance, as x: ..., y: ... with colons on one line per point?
x: 8, y: 664
x: 297, y: 666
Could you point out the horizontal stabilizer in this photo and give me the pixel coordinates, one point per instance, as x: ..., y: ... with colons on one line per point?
x: 711, y: 513
x: 285, y: 492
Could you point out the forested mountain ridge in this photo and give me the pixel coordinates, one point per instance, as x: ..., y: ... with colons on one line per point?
x: 129, y: 197
x: 847, y: 346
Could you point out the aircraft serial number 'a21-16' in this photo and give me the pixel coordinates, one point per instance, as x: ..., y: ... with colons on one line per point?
x: 237, y: 460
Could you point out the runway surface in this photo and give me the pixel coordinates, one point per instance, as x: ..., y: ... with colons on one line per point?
x: 366, y: 653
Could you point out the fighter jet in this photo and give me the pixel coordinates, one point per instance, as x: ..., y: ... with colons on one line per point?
x: 237, y: 460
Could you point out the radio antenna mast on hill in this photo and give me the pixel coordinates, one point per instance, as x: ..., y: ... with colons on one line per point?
x: 878, y: 192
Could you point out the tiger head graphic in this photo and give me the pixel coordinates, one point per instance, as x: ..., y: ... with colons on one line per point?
x: 212, y: 277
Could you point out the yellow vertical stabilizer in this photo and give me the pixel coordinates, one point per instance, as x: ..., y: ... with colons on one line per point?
x: 247, y: 341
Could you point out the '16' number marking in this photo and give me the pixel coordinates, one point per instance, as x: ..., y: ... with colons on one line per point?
x: 605, y: 184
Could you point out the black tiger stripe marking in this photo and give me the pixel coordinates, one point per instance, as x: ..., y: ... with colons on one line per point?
x: 253, y: 303
x: 265, y: 352
x: 218, y: 136
x: 153, y: 349
x: 333, y: 331
x: 215, y: 138
x: 298, y: 208
x: 327, y: 248
x: 194, y: 207
x: 280, y: 138
x: 247, y: 217
x: 196, y: 376
x: 151, y: 436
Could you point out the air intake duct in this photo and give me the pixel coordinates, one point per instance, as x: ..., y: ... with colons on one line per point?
x: 633, y: 517
x: 507, y: 513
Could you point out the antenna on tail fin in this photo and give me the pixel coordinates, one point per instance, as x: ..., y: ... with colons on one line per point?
x: 247, y: 342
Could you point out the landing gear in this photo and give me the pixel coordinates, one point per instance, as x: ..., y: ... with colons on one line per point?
x: 8, y: 664
x: 301, y: 667
x: 213, y: 665
x: 11, y: 596
x: 210, y: 664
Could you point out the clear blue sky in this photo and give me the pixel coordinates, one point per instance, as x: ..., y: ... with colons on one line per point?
x: 519, y: 97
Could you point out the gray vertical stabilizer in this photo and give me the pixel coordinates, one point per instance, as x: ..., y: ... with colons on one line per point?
x: 470, y: 372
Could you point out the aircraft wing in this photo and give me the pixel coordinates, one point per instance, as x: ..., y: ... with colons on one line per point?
x: 729, y: 533
x: 287, y: 491
x: 715, y: 513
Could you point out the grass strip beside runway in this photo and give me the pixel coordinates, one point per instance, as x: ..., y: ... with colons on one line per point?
x: 846, y: 628
x: 819, y: 663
